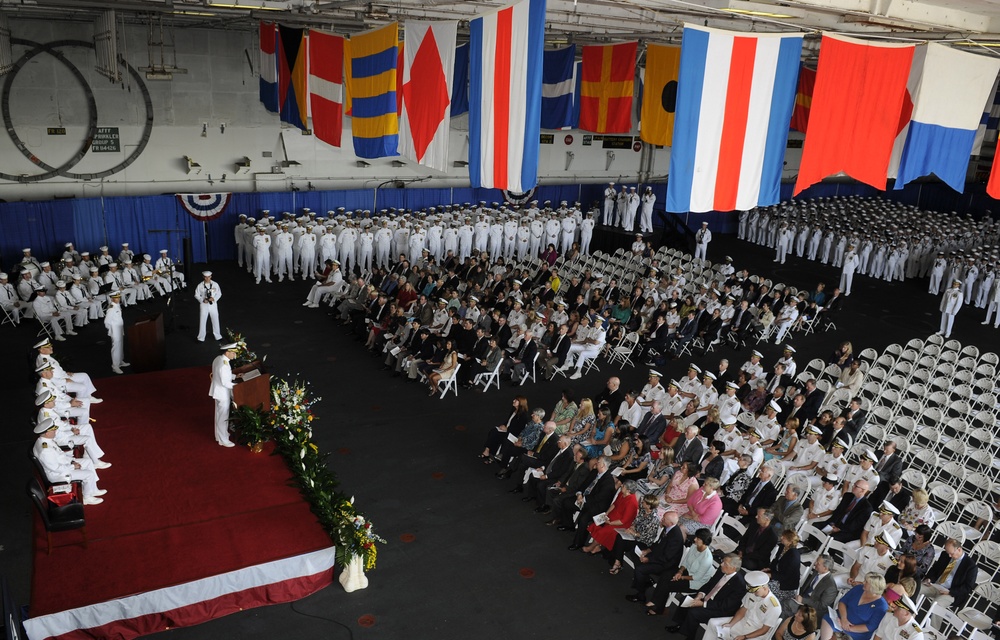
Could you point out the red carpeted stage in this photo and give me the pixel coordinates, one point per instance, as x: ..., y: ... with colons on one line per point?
x: 189, y: 531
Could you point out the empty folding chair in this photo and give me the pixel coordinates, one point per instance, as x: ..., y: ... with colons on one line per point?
x: 926, y: 462
x: 894, y: 350
x: 971, y: 351
x: 977, y: 486
x: 990, y: 358
x: 966, y: 365
x: 956, y: 428
x: 915, y: 343
x: 952, y: 345
x: 931, y: 417
x: 952, y: 474
x: 936, y: 340
x: 955, y: 450
x: 984, y: 597
x: 942, y: 500
x: 909, y: 356
x: 889, y: 398
x: 880, y: 415
x: 988, y: 553
x: 913, y: 479
x: 938, y: 398
x: 976, y: 516
x: 886, y: 361
x: 916, y: 391
x: 948, y: 529
x: 831, y: 373
x: 727, y: 534
x: 868, y: 355
x: 927, y: 437
x: 910, y: 408
x: 962, y: 393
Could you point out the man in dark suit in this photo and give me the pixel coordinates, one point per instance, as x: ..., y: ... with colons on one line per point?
x: 595, y: 498
x: 489, y: 362
x: 663, y: 558
x: 720, y: 597
x: 890, y: 464
x: 688, y: 449
x: 760, y: 494
x: 951, y: 578
x: 739, y: 325
x: 652, y: 424
x: 813, y: 401
x: 539, y: 456
x: 557, y: 470
x: 850, y: 516
x: 895, y: 493
x: 855, y: 416
x: 524, y: 357
x: 757, y: 543
x: 686, y: 332
x: 556, y: 357
x: 564, y: 490
x: 820, y: 588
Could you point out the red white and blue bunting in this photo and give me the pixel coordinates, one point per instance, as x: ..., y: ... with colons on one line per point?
x: 204, y: 206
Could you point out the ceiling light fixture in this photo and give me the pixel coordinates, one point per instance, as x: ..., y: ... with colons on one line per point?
x: 760, y: 14
x: 255, y: 5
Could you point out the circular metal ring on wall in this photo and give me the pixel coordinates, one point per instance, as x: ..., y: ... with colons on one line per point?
x: 64, y: 170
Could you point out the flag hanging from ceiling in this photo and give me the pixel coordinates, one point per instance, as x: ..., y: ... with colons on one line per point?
x: 659, y: 98
x: 735, y: 95
x: 990, y: 121
x: 916, y: 66
x: 803, y: 99
x: 577, y: 85
x: 606, y: 91
x: 428, y: 73
x: 505, y: 96
x: 855, y: 112
x: 326, y: 86
x: 292, y: 79
x: 460, y: 82
x: 946, y: 113
x: 372, y: 87
x: 557, y: 87
x: 268, y: 66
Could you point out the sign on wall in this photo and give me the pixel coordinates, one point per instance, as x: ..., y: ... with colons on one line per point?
x: 106, y: 140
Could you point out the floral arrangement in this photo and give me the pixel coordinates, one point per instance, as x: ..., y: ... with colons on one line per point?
x: 244, y: 355
x: 289, y: 424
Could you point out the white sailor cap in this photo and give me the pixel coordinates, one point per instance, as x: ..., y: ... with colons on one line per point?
x: 206, y: 274
x: 774, y: 405
x: 888, y: 507
x: 43, y: 397
x: 232, y: 346
x: 756, y: 578
x: 47, y: 424
x: 732, y: 385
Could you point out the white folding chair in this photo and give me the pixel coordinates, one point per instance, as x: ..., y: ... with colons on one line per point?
x: 942, y: 500
x: 984, y: 597
x: 947, y: 623
x: 451, y: 384
x: 529, y: 371
x: 489, y: 378
x: 623, y: 352
x: 727, y: 533
x: 914, y: 479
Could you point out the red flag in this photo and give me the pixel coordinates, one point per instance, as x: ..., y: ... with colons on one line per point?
x: 608, y: 73
x: 993, y: 186
x: 803, y: 99
x: 854, y: 115
x: 326, y: 86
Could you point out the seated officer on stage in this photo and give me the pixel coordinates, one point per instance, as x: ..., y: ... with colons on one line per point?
x: 59, y: 466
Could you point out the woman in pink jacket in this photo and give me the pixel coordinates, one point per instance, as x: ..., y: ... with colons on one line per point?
x: 703, y: 507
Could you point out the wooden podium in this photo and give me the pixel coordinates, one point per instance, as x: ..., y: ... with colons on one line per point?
x: 146, y: 349
x: 256, y: 392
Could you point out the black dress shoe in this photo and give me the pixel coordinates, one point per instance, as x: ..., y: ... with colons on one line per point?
x: 633, y: 597
x: 526, y: 498
x: 544, y: 509
x: 566, y: 527
x: 574, y: 547
x: 516, y: 490
x: 673, y: 628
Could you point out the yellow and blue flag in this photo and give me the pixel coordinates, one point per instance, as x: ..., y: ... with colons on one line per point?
x: 372, y: 90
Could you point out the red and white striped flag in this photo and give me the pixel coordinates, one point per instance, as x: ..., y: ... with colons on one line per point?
x: 326, y: 86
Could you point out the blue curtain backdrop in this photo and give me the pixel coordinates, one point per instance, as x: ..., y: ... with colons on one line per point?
x: 151, y: 223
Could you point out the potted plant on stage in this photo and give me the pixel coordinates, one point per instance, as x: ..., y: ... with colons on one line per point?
x: 250, y: 427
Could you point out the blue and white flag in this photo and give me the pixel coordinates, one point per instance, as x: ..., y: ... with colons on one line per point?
x: 989, y: 124
x: 460, y: 82
x: 558, y: 87
x: 947, y: 106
